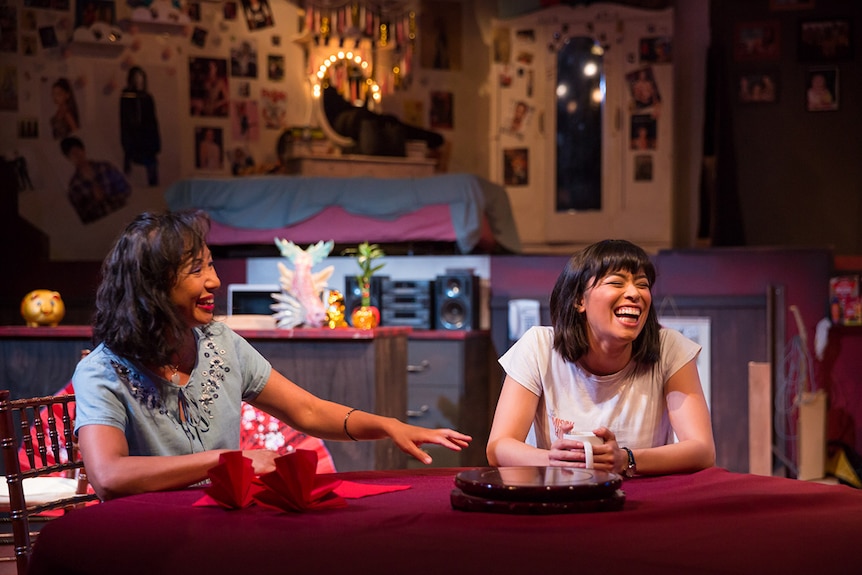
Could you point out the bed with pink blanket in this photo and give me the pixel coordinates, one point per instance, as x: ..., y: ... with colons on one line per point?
x: 469, y: 212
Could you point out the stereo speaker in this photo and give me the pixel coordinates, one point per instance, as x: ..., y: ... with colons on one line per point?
x: 456, y: 302
x: 353, y: 294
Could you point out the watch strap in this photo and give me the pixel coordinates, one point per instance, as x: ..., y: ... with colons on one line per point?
x: 631, y: 467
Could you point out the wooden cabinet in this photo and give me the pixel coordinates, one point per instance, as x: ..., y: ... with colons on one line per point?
x: 583, y: 107
x: 450, y: 384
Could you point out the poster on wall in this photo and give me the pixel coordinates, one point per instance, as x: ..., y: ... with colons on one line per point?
x: 656, y: 50
x: 822, y: 92
x: 140, y: 135
x: 275, y: 67
x: 757, y: 88
x: 440, y: 35
x: 643, y: 87
x: 643, y: 132
x: 245, y: 126
x: 519, y: 116
x: 97, y: 187
x: 516, y: 166
x: 825, y: 40
x: 208, y: 148
x: 208, y: 87
x: 243, y: 59
x: 441, y: 110
x: 273, y: 109
x: 643, y: 168
x: 258, y: 14
x: 88, y: 12
x: 8, y: 87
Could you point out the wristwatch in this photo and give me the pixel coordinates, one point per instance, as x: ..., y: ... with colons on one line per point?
x: 631, y: 469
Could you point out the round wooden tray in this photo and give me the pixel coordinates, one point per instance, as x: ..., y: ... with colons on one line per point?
x: 538, y: 484
x: 464, y: 502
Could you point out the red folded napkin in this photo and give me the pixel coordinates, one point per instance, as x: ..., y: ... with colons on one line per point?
x: 232, y: 484
x: 293, y: 486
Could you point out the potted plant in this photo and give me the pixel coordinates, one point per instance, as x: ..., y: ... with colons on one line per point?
x: 366, y: 316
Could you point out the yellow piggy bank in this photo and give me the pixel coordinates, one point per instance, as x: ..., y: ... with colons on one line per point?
x: 42, y: 307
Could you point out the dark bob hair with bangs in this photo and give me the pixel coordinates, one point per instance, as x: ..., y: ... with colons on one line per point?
x: 583, y: 270
x: 134, y: 314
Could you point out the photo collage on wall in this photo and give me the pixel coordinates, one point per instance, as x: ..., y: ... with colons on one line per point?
x: 516, y: 51
x: 821, y: 45
x: 516, y: 78
x: 222, y: 88
x: 93, y: 86
x: 645, y: 102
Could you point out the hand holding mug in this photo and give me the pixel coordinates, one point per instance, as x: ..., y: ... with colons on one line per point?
x: 588, y: 439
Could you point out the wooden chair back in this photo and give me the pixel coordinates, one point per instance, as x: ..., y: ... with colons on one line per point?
x: 43, y: 428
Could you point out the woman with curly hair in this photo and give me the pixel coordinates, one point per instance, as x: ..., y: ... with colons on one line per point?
x: 605, y: 366
x: 159, y: 397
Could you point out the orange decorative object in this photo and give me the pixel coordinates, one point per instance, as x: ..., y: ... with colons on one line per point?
x: 365, y: 317
x: 42, y: 307
x: 335, y: 310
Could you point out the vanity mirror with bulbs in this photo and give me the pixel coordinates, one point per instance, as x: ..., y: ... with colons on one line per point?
x: 357, y: 53
x: 582, y: 124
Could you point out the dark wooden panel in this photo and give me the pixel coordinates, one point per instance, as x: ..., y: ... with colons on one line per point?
x: 370, y: 374
x: 739, y: 333
x: 35, y: 367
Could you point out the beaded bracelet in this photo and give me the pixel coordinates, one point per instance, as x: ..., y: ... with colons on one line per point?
x: 346, y: 417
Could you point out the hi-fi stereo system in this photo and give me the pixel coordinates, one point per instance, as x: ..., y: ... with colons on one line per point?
x: 448, y: 302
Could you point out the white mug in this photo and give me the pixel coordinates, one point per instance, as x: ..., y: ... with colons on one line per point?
x: 589, y: 439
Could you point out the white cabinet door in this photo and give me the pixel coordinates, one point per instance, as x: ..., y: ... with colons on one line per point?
x: 635, y: 146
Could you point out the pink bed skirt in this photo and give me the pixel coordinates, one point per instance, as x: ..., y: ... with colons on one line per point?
x: 431, y: 223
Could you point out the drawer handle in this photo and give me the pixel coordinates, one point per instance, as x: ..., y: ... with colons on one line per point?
x: 423, y: 365
x: 418, y: 412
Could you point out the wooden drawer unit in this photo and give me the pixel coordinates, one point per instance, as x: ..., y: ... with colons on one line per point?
x: 448, y: 385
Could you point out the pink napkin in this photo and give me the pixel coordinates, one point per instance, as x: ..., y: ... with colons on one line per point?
x: 293, y: 486
x: 353, y: 490
x: 232, y: 482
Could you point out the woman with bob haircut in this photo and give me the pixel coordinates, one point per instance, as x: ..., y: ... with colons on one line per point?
x: 605, y: 366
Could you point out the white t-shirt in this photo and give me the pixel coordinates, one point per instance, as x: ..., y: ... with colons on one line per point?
x: 631, y: 404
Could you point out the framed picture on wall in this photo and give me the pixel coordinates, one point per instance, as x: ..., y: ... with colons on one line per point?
x: 757, y: 88
x: 516, y: 166
x: 757, y: 40
x: 821, y: 92
x: 825, y: 40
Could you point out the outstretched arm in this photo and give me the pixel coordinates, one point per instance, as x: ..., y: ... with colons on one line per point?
x: 295, y: 406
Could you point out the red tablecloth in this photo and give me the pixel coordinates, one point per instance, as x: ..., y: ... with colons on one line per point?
x: 709, y: 522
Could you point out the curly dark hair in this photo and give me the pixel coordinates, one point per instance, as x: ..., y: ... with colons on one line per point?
x: 584, y: 270
x: 134, y: 314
